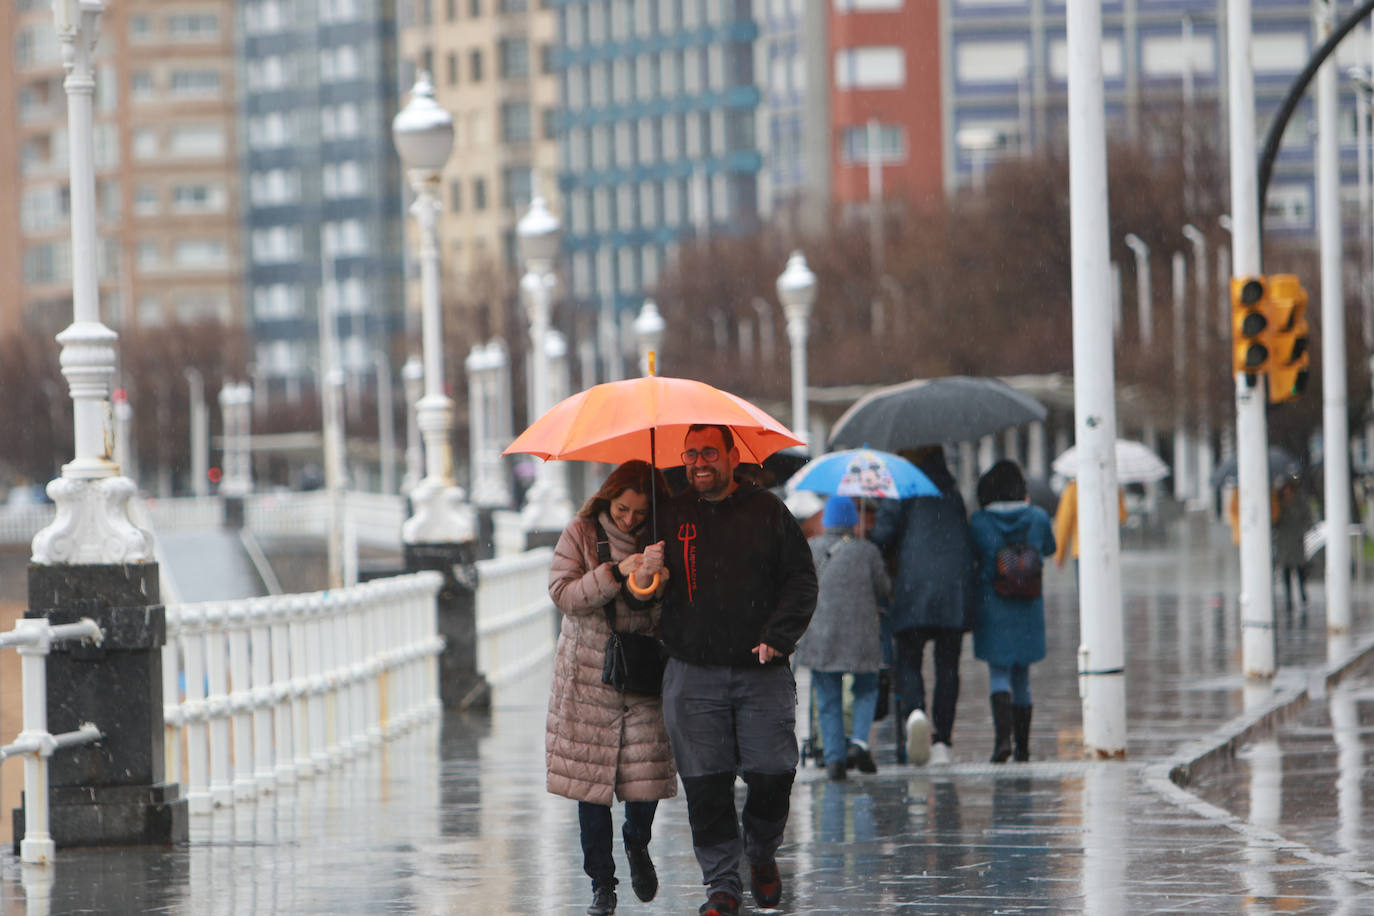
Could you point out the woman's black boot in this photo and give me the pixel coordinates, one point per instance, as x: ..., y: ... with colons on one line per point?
x: 1020, y: 728
x: 1001, y: 726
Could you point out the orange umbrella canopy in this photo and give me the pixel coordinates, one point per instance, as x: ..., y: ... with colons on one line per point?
x: 612, y: 422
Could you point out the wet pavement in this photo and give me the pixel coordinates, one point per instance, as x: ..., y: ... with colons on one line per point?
x: 453, y: 818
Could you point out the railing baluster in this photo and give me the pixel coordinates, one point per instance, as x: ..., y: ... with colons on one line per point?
x: 217, y: 704
x: 173, y: 714
x: 260, y: 649
x: 198, y: 798
x: 240, y: 699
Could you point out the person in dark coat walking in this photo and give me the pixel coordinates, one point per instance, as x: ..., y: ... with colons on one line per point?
x: 1010, y: 631
x: 932, y: 601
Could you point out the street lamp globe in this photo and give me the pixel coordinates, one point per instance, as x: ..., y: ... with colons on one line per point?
x: 539, y: 234
x: 797, y: 288
x: 423, y: 130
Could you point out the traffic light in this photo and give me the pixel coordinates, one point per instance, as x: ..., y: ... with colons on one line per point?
x: 1286, y: 307
x: 1248, y: 325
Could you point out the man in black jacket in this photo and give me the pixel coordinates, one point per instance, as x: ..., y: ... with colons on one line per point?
x: 740, y: 593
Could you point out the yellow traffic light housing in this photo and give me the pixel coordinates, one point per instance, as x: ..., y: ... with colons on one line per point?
x: 1249, y: 323
x: 1286, y: 308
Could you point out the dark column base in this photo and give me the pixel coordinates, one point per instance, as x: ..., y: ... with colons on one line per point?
x: 461, y: 685
x: 111, y: 792
x: 113, y: 816
x: 233, y: 512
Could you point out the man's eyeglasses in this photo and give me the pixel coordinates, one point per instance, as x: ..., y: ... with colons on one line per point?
x: 710, y: 453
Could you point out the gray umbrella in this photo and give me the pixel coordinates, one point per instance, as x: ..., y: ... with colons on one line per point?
x: 1281, y: 464
x: 957, y: 408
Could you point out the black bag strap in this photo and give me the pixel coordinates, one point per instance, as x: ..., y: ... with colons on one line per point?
x: 603, y: 555
x: 825, y: 560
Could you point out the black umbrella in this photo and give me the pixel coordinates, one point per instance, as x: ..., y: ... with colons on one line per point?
x: 956, y: 408
x: 1281, y: 464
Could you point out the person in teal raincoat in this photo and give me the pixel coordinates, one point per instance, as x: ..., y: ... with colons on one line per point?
x: 1009, y: 632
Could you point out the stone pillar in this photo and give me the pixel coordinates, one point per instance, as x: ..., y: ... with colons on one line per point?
x: 112, y: 792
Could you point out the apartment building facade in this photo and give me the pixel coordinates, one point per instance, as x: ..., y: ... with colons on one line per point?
x: 492, y: 66
x: 164, y: 158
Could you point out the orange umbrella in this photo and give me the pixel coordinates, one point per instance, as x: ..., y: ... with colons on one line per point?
x: 647, y: 416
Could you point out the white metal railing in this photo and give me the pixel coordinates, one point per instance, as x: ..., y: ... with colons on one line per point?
x: 515, y: 616
x: 192, y: 513
x: 33, y: 637
x: 270, y: 690
x: 374, y: 518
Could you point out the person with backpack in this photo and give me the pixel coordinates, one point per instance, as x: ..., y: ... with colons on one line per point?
x: 1011, y: 538
x: 844, y: 635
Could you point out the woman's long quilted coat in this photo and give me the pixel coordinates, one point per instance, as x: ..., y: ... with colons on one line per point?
x: 599, y: 742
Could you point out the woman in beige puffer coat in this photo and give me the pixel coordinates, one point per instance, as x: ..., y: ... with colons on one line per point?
x: 602, y: 743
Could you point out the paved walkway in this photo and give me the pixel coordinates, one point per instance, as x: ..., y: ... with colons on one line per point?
x: 453, y: 818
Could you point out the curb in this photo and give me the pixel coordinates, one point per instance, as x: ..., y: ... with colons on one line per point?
x: 1170, y: 778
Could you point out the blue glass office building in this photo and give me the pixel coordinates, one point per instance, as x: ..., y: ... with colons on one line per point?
x: 657, y: 136
x: 322, y: 185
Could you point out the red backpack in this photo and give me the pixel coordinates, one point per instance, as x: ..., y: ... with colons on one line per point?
x: 1019, y: 569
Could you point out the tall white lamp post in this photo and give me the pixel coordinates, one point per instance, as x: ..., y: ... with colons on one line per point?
x: 649, y: 326
x: 797, y: 291
x: 1144, y: 303
x: 486, y: 363
x: 1202, y: 309
x: 92, y: 561
x: 423, y: 133
x: 200, y: 433
x: 413, y: 381
x: 547, y: 508
x: 441, y: 532
x: 386, y: 424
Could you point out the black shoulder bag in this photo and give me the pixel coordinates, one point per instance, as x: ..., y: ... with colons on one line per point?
x: 634, y: 662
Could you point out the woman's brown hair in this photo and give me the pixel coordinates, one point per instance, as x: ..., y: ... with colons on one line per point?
x: 632, y: 475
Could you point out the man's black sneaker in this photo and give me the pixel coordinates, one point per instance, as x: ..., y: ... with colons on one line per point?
x: 766, y: 884
x: 720, y: 903
x: 643, y: 875
x: 836, y: 771
x: 603, y: 901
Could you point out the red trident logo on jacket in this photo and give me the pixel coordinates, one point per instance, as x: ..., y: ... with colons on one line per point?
x: 686, y: 533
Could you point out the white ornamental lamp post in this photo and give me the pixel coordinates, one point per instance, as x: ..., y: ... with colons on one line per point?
x: 485, y: 364
x: 649, y: 327
x: 441, y: 532
x: 92, y: 561
x: 797, y: 291
x: 423, y: 133
x: 547, y: 509
x: 413, y: 382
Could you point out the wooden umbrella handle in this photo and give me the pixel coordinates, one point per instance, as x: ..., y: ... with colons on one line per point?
x: 645, y: 592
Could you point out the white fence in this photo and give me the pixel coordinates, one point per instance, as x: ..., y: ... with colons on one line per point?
x: 515, y: 616
x: 269, y: 690
x: 33, y: 637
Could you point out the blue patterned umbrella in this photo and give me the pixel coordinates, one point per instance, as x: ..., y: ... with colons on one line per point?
x: 863, y: 472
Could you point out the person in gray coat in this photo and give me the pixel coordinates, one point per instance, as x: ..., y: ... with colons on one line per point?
x: 844, y: 635
x: 933, y: 601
